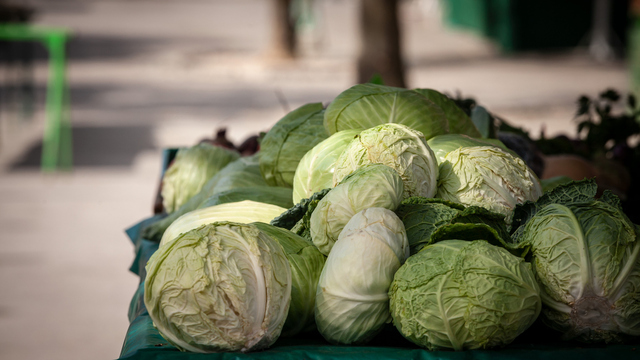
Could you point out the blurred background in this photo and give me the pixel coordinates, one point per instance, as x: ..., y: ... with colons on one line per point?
x: 91, y: 91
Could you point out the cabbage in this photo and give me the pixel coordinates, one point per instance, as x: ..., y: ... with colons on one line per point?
x: 364, y: 106
x: 352, y: 303
x: 315, y: 170
x: 190, y: 170
x: 242, y: 173
x: 444, y: 144
x: 220, y: 287
x: 287, y: 142
x: 459, y: 122
x: 431, y: 220
x: 372, y: 185
x: 464, y: 295
x: 586, y: 256
x: 306, y: 265
x: 397, y: 146
x: 488, y: 177
x: 244, y: 212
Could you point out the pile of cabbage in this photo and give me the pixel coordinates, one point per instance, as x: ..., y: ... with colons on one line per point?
x: 387, y: 209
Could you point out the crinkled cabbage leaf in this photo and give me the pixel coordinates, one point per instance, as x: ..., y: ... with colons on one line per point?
x: 397, y: 146
x: 220, y: 287
x: 488, y: 177
x: 463, y: 295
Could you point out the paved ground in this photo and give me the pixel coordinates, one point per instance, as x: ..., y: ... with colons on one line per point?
x: 148, y: 74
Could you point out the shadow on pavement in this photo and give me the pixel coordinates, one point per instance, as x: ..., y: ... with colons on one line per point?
x: 97, y: 146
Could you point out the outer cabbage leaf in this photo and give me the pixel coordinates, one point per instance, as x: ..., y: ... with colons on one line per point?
x: 585, y: 256
x: 241, y: 173
x: 459, y: 121
x: 287, y: 142
x: 315, y: 170
x: 221, y: 287
x: 502, y: 290
x: 306, y: 265
x: 574, y: 191
x: 444, y: 144
x: 243, y: 212
x: 364, y: 106
x: 372, y: 185
x: 488, y: 177
x: 397, y: 146
x: 190, y: 170
x: 430, y: 220
x: 463, y: 295
x: 352, y: 303
x: 273, y: 195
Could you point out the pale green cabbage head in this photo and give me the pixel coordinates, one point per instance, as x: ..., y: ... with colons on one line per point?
x: 243, y: 212
x: 315, y: 170
x: 397, y: 146
x: 462, y: 295
x: 352, y: 302
x: 586, y: 257
x: 374, y: 185
x: 220, y: 287
x: 488, y: 177
x: 191, y: 169
x: 287, y: 142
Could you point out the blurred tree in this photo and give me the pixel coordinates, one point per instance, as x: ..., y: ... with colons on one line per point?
x: 284, y: 36
x: 380, y: 52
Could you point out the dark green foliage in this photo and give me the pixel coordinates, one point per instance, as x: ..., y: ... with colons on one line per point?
x: 430, y: 220
x: 292, y: 216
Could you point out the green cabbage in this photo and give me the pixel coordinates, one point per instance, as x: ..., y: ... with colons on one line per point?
x: 220, y: 287
x: 586, y: 258
x: 364, y: 106
x: 287, y: 142
x: 306, y: 265
x: 243, y: 212
x: 488, y: 177
x: 372, y: 185
x: 459, y: 122
x: 315, y: 170
x: 352, y: 303
x: 397, y: 146
x: 191, y: 169
x: 242, y: 173
x: 462, y: 295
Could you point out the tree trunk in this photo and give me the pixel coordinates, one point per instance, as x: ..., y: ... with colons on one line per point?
x: 283, y: 44
x: 380, y: 52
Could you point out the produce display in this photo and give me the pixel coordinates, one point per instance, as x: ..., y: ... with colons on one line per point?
x: 384, y: 225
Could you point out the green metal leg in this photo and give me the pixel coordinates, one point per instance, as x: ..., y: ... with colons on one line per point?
x: 56, y: 143
x: 56, y: 149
